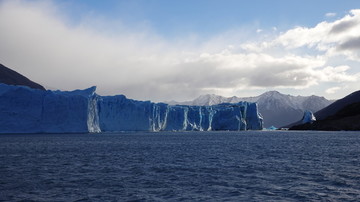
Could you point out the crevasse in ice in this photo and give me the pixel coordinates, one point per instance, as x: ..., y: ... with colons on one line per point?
x: 25, y: 110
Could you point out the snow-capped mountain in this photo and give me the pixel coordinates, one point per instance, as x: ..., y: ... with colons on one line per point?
x: 277, y: 109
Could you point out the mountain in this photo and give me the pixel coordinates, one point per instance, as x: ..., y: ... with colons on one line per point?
x: 276, y: 108
x: 336, y: 106
x: 344, y: 114
x: 11, y: 77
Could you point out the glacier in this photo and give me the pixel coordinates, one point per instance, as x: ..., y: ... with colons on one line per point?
x: 26, y: 110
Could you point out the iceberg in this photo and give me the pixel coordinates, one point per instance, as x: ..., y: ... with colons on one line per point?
x: 26, y: 110
x: 308, y: 117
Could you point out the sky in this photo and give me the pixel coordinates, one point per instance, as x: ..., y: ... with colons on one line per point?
x: 164, y: 50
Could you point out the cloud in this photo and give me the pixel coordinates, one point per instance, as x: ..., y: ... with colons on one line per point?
x: 36, y: 40
x: 350, y: 44
x: 330, y: 15
x: 57, y: 55
x: 336, y: 74
x: 332, y: 90
x: 323, y: 36
x: 343, y: 26
x: 302, y: 36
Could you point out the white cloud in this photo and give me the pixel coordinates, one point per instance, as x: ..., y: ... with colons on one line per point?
x: 324, y: 35
x: 332, y: 90
x: 336, y: 74
x: 329, y: 15
x: 36, y: 40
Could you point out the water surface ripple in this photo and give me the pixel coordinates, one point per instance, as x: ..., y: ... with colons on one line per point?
x: 186, y: 166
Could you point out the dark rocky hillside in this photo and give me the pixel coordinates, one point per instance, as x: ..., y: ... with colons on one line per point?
x: 11, y: 77
x: 347, y: 118
x: 338, y: 105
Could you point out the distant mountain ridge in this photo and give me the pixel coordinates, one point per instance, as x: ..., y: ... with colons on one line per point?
x: 11, y: 77
x: 277, y: 109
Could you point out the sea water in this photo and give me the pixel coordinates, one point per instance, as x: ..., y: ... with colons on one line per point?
x: 175, y: 166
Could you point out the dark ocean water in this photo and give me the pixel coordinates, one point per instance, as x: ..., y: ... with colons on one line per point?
x: 183, y: 166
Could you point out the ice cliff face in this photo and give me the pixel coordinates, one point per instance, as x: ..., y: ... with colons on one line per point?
x: 25, y: 110
x: 117, y: 113
x: 93, y: 122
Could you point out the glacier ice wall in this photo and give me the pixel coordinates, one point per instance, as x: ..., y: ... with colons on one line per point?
x: 26, y: 110
x: 117, y: 113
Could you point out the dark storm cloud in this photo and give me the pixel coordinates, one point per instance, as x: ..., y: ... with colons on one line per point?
x: 350, y: 44
x: 343, y: 26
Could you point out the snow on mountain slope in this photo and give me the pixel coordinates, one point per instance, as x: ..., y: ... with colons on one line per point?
x: 276, y: 108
